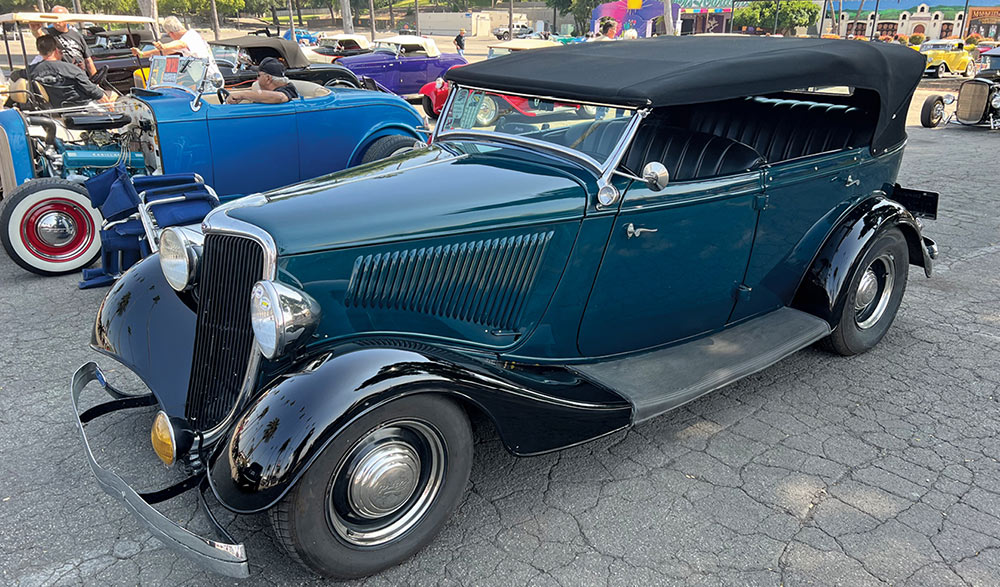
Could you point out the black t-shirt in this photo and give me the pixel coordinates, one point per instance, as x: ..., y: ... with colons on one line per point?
x: 74, y: 48
x: 66, y: 84
x: 460, y: 41
x: 288, y: 90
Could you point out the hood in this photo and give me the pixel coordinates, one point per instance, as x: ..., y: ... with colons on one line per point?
x: 442, y: 189
x: 169, y: 104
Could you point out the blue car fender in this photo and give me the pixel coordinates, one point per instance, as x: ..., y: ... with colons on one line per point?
x: 285, y: 429
x: 15, y: 150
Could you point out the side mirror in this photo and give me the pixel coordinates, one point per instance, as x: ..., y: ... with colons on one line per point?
x: 655, y: 175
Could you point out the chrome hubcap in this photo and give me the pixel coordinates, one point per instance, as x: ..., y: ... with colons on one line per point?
x: 56, y: 229
x: 386, y: 482
x: 384, y: 479
x: 487, y: 111
x: 874, y: 290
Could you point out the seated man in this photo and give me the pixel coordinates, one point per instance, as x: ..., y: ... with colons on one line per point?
x: 66, y: 84
x: 275, y: 88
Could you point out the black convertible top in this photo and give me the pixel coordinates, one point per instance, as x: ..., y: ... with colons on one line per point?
x: 667, y: 71
x: 289, y: 51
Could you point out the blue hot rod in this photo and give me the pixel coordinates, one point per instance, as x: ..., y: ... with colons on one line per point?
x: 47, y: 224
x: 315, y: 351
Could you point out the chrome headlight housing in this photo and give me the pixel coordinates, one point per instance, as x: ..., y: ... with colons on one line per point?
x: 995, y: 100
x: 180, y: 256
x: 281, y: 316
x: 949, y: 98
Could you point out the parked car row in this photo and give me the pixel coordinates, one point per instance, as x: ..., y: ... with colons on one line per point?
x: 315, y: 351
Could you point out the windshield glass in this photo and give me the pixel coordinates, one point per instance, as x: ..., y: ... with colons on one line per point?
x: 389, y: 47
x: 226, y: 55
x: 498, y: 51
x: 935, y: 46
x: 593, y: 131
x: 176, y: 71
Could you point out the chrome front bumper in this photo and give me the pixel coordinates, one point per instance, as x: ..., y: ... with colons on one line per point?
x: 221, y: 557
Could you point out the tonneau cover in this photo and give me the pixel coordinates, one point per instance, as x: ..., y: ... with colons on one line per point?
x: 666, y: 71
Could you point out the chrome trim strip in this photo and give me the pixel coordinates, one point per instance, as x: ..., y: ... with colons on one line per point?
x: 551, y: 98
x: 220, y: 557
x: 218, y: 221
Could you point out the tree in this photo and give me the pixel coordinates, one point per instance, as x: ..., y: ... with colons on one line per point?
x: 791, y: 15
x: 580, y: 9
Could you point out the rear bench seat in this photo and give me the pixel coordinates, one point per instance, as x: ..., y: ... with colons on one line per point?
x: 780, y: 129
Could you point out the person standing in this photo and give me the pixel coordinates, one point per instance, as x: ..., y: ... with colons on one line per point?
x: 460, y: 42
x: 185, y: 42
x: 71, y: 44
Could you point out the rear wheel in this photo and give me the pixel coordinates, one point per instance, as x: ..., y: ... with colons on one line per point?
x: 932, y: 112
x: 489, y: 111
x: 380, y: 491
x: 872, y: 296
x: 49, y: 227
x: 429, y: 108
x: 388, y: 147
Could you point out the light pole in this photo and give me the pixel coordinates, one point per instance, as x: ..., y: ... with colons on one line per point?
x: 510, y: 20
x: 416, y: 15
x: 371, y: 11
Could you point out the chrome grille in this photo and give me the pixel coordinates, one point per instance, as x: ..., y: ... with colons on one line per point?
x: 223, y: 341
x: 972, y: 99
x: 484, y: 282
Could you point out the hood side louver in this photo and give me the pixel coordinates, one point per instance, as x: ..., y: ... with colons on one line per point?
x: 485, y: 282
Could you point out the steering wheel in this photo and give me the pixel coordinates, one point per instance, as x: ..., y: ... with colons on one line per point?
x: 223, y: 95
x: 101, y: 75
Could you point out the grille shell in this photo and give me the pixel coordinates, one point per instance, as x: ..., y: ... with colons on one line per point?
x: 223, y: 345
x: 973, y: 97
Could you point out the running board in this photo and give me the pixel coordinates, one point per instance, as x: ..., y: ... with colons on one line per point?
x: 661, y: 380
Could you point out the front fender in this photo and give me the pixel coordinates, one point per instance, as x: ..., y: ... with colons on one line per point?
x: 16, y: 165
x: 148, y: 327
x: 821, y: 288
x: 286, y: 428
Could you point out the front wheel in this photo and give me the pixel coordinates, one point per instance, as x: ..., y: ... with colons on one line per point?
x: 873, y: 293
x: 388, y: 147
x: 489, y: 111
x: 940, y: 70
x: 932, y: 112
x: 505, y: 37
x: 969, y: 70
x: 428, y: 105
x: 49, y: 227
x: 380, y: 491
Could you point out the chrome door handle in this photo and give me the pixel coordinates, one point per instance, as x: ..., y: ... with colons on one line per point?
x: 631, y: 230
x: 851, y: 182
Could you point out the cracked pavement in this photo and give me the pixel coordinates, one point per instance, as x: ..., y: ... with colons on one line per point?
x: 823, y: 470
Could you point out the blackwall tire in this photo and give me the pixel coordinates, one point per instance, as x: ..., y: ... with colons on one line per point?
x: 340, y: 83
x: 872, y: 294
x: 48, y: 227
x: 429, y: 107
x: 330, y: 521
x: 389, y: 146
x: 932, y: 111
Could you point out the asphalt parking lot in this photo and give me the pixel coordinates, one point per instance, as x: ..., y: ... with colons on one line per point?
x: 878, y: 469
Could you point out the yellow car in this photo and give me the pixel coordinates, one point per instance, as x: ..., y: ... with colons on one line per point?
x: 947, y: 56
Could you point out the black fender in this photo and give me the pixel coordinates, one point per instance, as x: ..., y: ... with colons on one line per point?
x: 820, y: 291
x: 148, y: 327
x: 534, y: 409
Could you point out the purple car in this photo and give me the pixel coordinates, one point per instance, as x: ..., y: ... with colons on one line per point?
x: 404, y: 63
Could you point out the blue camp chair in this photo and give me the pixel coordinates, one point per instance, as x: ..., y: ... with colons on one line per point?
x: 136, y: 209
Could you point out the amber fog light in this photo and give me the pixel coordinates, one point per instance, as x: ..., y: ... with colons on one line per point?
x: 170, y: 438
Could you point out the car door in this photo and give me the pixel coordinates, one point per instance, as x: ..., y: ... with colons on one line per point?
x: 672, y: 264
x: 413, y: 73
x: 254, y: 147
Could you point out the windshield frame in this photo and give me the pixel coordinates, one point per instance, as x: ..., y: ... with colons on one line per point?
x: 200, y: 85
x: 601, y: 169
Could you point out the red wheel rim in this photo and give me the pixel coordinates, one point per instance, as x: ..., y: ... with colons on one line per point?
x: 40, y: 244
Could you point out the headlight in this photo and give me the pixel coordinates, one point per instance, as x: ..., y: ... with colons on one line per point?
x: 180, y: 250
x: 170, y: 437
x: 995, y: 100
x: 438, y: 83
x: 949, y: 98
x: 281, y: 316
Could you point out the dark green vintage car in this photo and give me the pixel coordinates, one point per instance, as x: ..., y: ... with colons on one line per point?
x: 315, y: 351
